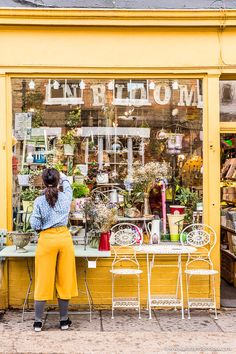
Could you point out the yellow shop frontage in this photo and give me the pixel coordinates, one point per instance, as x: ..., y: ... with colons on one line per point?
x: 156, y: 71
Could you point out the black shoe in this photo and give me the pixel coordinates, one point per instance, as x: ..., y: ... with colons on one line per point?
x: 65, y: 324
x: 37, y: 326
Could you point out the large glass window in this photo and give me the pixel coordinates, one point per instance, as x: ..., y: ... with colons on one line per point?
x: 140, y: 137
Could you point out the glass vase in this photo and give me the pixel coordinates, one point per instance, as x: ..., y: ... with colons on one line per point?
x: 146, y: 207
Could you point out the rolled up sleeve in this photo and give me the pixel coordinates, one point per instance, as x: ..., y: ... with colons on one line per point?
x: 36, y: 218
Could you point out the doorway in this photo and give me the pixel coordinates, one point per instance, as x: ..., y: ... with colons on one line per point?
x: 228, y: 219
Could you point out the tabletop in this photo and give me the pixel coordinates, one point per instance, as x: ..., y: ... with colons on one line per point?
x: 165, y: 249
x: 80, y: 252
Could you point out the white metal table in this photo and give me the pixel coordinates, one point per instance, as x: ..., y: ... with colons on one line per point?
x: 165, y: 250
x: 80, y: 252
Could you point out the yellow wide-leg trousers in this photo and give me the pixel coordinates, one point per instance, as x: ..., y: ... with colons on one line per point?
x: 55, y: 265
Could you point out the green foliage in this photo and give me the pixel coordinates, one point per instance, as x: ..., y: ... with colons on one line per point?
x: 24, y: 171
x: 68, y: 138
x: 74, y: 118
x: 37, y: 119
x: 77, y: 171
x: 189, y: 199
x: 80, y: 190
x: 58, y: 166
x: 23, y: 226
x: 132, y: 198
x: 29, y: 194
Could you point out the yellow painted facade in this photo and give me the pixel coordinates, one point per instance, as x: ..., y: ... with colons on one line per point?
x: 120, y: 43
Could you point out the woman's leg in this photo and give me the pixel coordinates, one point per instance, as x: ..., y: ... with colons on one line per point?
x: 39, y: 309
x: 63, y: 308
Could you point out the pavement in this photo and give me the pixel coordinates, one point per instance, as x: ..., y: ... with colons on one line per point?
x: 166, y: 332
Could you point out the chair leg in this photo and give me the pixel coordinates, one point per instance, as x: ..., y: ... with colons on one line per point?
x: 187, y: 292
x: 139, y: 315
x: 112, y: 296
x: 214, y: 295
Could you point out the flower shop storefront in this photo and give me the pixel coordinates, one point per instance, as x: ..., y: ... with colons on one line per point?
x: 132, y: 140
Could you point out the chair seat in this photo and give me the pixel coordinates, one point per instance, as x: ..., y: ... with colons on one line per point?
x: 201, y: 271
x: 126, y: 271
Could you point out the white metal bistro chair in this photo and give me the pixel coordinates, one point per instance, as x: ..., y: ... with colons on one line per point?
x: 202, y: 237
x: 123, y: 237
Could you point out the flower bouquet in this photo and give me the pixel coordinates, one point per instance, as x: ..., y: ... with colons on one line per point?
x: 145, y: 176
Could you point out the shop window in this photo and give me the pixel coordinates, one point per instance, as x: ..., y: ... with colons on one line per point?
x: 228, y: 101
x: 108, y: 134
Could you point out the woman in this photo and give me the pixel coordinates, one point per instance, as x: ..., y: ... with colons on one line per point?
x: 54, y: 260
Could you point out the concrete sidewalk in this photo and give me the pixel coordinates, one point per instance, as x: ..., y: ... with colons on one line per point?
x: 165, y: 333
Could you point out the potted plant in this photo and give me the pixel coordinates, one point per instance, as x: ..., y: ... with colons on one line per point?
x: 131, y: 201
x: 189, y: 199
x: 22, y: 234
x: 80, y: 194
x: 68, y: 140
x: 58, y: 166
x: 23, y: 177
x: 36, y: 179
x: 74, y: 118
x: 28, y: 196
x: 78, y: 176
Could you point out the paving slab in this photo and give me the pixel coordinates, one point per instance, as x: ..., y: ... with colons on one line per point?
x: 127, y: 320
x: 227, y: 321
x: 80, y: 322
x: 122, y: 342
x: 201, y: 321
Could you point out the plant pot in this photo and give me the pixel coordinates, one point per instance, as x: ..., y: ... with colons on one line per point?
x: 79, y: 179
x: 69, y: 149
x: 132, y: 212
x: 176, y: 225
x: 102, y: 178
x: 104, y: 244
x: 177, y: 209
x: 28, y: 206
x: 23, y: 180
x: 37, y: 181
x: 20, y: 240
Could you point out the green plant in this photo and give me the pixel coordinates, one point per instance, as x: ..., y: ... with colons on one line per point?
x: 68, y: 138
x: 74, y: 118
x: 24, y: 171
x: 58, y: 166
x: 37, y: 119
x: 77, y: 171
x: 189, y: 199
x: 132, y: 198
x: 23, y: 226
x: 29, y: 194
x: 80, y: 190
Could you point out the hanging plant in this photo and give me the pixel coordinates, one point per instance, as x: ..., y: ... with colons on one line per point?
x: 37, y: 119
x: 74, y: 118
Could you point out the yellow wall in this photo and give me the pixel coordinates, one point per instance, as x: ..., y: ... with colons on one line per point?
x: 115, y: 43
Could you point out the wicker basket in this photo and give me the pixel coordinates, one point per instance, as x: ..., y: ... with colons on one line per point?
x: 37, y: 181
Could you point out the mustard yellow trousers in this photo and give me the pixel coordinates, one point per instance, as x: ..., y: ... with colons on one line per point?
x: 55, y: 265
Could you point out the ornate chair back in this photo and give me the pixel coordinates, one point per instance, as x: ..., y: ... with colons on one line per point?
x: 203, y: 238
x: 123, y: 237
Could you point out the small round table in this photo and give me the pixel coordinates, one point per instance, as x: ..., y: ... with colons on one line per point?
x: 165, y: 250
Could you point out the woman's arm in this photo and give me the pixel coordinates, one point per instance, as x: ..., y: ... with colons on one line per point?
x: 36, y: 219
x: 67, y: 190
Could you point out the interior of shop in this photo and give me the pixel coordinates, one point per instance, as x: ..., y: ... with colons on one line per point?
x: 228, y: 218
x: 134, y: 144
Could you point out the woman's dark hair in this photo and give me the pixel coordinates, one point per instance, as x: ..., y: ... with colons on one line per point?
x: 51, y: 178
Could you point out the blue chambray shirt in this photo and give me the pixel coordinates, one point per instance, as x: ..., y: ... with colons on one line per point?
x: 45, y: 217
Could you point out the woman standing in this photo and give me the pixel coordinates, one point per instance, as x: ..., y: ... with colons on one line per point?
x: 54, y: 260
